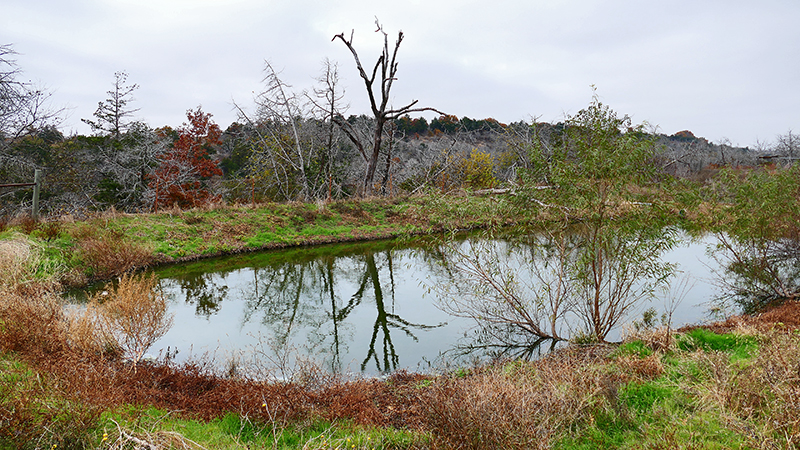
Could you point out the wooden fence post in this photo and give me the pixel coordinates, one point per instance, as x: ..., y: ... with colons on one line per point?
x: 37, y: 180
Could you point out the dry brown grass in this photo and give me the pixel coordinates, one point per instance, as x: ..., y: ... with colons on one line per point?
x: 759, y: 398
x: 128, y: 317
x: 519, y: 405
x: 16, y: 262
x: 108, y: 254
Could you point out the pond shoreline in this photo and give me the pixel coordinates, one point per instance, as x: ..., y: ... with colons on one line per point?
x: 584, y: 384
x: 104, y: 247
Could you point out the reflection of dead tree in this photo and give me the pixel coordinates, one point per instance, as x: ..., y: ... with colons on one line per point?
x: 385, y: 320
x: 293, y: 294
x: 502, y: 342
x: 379, y: 103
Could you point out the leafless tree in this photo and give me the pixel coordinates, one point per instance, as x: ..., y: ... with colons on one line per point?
x: 111, y: 113
x: 378, y: 84
x: 277, y: 124
x: 788, y: 146
x: 130, y: 164
x: 24, y: 107
x: 326, y: 101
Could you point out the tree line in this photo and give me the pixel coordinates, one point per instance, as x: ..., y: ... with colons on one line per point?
x: 293, y: 145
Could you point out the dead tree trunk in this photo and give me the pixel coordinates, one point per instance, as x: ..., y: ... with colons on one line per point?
x: 379, y: 102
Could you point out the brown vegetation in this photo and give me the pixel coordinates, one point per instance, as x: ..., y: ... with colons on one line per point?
x: 503, y: 405
x: 127, y: 317
x: 785, y: 316
x: 109, y: 254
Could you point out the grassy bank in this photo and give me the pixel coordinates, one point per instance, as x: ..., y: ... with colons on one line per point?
x: 112, y: 243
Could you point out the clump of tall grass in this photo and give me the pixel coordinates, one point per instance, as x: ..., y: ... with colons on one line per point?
x: 518, y: 404
x: 108, y: 254
x: 23, y: 262
x: 128, y: 317
x: 759, y: 397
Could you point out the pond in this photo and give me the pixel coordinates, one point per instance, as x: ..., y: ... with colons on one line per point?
x: 366, y: 308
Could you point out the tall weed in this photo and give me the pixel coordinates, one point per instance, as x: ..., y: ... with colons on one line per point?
x: 129, y: 317
x: 23, y: 263
x: 108, y: 254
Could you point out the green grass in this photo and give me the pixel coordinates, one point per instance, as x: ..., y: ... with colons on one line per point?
x: 739, y: 347
x: 667, y: 411
x: 633, y: 348
x: 233, y: 431
x: 203, y: 232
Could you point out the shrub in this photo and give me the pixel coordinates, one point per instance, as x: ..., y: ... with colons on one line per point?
x: 32, y: 319
x: 107, y: 254
x: 28, y: 224
x: 478, y: 170
x: 130, y: 318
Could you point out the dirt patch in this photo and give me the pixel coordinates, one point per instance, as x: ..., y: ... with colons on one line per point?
x: 785, y: 315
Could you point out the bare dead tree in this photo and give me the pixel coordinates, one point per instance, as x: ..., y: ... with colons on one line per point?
x: 788, y: 146
x: 23, y: 106
x: 379, y: 94
x: 326, y: 100
x: 277, y: 124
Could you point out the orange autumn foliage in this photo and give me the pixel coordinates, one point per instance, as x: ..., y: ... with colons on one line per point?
x: 183, y: 172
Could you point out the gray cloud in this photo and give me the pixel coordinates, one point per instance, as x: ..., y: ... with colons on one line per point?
x: 719, y: 68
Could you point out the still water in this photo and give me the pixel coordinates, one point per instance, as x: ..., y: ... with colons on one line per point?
x: 363, y: 308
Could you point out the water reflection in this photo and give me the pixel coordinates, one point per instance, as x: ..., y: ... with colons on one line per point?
x: 316, y: 295
x: 499, y: 341
x: 756, y: 272
x: 356, y: 307
x: 204, y: 290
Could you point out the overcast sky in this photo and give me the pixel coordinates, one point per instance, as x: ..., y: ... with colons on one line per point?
x: 720, y: 68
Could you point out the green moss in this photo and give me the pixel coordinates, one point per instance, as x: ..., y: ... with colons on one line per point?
x: 233, y: 431
x: 633, y: 348
x: 740, y: 347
